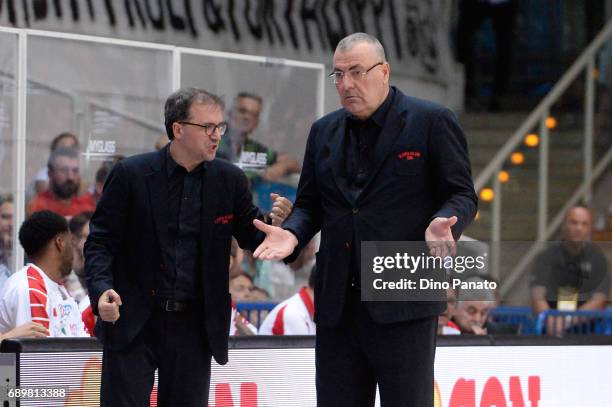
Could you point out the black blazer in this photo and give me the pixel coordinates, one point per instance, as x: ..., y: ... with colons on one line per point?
x: 129, y: 228
x: 397, y: 203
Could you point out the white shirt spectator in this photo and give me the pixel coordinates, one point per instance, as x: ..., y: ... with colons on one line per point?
x: 30, y: 295
x: 293, y: 316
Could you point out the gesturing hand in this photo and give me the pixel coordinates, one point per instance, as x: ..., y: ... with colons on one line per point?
x: 281, y: 208
x: 278, y: 244
x: 439, y: 237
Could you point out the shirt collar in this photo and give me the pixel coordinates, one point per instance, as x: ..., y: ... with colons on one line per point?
x: 172, y: 165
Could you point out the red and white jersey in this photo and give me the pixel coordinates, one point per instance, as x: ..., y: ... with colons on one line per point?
x: 87, y: 315
x: 236, y: 317
x: 293, y: 316
x: 29, y: 295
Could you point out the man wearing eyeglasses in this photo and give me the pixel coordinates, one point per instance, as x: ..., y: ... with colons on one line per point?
x: 385, y: 167
x: 157, y: 256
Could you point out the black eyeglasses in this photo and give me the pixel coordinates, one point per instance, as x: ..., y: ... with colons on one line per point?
x: 210, y: 128
x: 356, y: 74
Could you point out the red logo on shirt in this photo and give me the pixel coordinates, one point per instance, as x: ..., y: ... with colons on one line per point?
x: 224, y: 219
x: 409, y: 155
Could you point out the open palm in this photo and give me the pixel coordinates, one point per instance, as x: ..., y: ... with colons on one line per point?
x: 278, y: 244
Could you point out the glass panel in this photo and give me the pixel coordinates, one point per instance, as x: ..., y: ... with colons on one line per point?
x: 275, y: 129
x: 110, y: 97
x: 8, y: 109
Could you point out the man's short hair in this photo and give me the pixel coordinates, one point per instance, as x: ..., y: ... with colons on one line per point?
x: 243, y: 274
x: 249, y: 95
x: 178, y: 104
x: 77, y: 222
x: 61, y: 152
x: 347, y: 43
x: 39, y: 229
x: 56, y: 140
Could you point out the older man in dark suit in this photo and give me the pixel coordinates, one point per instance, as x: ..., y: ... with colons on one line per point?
x: 385, y: 167
x: 157, y: 259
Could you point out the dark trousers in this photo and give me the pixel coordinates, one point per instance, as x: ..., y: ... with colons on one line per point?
x: 355, y: 356
x: 175, y: 344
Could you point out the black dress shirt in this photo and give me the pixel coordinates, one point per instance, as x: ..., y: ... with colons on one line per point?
x: 181, y: 279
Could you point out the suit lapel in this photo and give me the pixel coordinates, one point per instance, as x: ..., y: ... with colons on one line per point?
x: 394, y: 126
x: 209, y: 206
x: 335, y: 146
x: 157, y: 183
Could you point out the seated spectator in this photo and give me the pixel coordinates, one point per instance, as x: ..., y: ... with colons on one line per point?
x: 62, y: 140
x: 445, y: 324
x: 473, y: 306
x: 571, y: 274
x: 75, y: 281
x: 239, y: 325
x: 240, y: 287
x: 6, y: 237
x: 64, y: 182
x: 35, y: 293
x: 294, y: 316
x: 239, y: 147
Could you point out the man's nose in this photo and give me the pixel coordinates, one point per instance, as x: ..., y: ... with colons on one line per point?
x: 216, y: 135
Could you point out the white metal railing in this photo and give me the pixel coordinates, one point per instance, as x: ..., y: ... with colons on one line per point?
x: 585, y: 63
x: 79, y: 101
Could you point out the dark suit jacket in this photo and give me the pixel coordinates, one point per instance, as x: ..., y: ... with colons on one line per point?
x: 398, y: 202
x: 130, y: 226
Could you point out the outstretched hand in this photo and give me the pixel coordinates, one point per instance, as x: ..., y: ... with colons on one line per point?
x: 439, y: 237
x: 278, y: 244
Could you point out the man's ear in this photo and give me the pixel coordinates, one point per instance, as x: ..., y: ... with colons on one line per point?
x: 387, y: 71
x: 177, y: 130
x: 58, y: 241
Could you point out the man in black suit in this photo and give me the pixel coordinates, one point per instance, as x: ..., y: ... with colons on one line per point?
x: 157, y: 256
x: 385, y: 167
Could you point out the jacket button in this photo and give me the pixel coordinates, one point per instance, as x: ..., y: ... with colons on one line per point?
x: 355, y: 210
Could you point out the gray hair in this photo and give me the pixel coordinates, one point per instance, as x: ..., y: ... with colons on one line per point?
x: 347, y: 43
x: 178, y: 104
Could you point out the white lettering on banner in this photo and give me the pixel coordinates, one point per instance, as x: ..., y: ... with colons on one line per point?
x: 414, y: 32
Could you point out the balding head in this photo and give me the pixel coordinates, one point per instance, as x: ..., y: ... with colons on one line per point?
x: 361, y: 74
x: 577, y: 224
